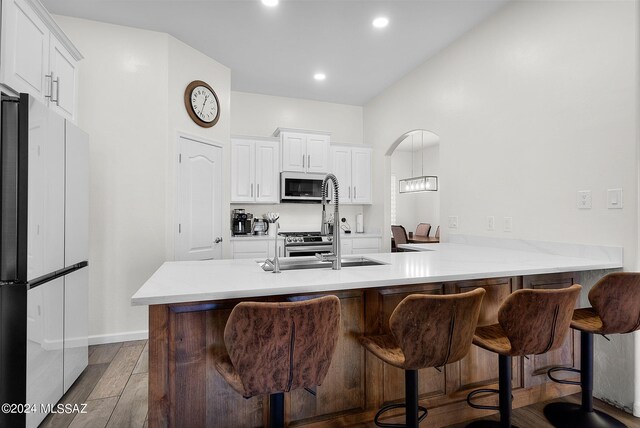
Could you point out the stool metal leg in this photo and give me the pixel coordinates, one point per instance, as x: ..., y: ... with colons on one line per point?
x: 504, y: 364
x: 411, y: 394
x: 276, y: 410
x: 505, y: 396
x: 569, y: 415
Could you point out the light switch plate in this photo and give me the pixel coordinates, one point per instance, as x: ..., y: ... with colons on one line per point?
x: 614, y: 199
x: 491, y: 223
x: 508, y: 224
x: 584, y: 199
x: 453, y: 222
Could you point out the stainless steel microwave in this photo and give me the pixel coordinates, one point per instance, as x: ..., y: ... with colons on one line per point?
x: 301, y: 187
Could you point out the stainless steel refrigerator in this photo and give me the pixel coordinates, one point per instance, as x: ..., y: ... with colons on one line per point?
x: 44, y: 222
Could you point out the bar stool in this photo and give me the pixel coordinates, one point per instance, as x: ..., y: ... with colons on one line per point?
x: 274, y: 348
x: 529, y: 322
x: 615, y: 302
x: 426, y: 331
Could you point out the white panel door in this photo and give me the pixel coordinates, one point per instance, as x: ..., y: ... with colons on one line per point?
x: 76, y: 340
x: 54, y: 205
x: 361, y: 175
x: 242, y: 171
x: 341, y: 168
x: 63, y: 88
x: 318, y: 153
x: 25, y: 50
x: 267, y: 171
x: 294, y: 152
x: 44, y: 346
x: 199, y: 198
x: 76, y: 242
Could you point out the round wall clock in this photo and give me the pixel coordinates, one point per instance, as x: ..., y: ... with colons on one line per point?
x: 202, y: 104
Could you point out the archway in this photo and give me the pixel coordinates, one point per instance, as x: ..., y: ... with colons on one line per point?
x: 414, y: 180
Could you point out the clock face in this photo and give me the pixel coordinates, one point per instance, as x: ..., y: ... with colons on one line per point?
x: 204, y: 104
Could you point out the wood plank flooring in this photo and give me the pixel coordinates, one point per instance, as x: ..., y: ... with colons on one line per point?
x: 114, y: 387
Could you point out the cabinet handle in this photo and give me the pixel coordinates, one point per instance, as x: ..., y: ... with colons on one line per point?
x: 57, y: 82
x: 302, y: 161
x: 308, y: 161
x: 279, y: 251
x: 355, y: 192
x: 50, y: 76
x: 258, y: 190
x: 349, y: 192
x: 217, y: 240
x: 252, y: 190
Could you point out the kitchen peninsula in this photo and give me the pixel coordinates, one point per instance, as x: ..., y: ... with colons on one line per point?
x: 190, y: 302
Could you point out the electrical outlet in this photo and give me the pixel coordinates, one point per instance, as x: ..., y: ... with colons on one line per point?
x: 584, y: 199
x: 491, y: 223
x: 453, y: 222
x: 614, y: 199
x: 508, y: 224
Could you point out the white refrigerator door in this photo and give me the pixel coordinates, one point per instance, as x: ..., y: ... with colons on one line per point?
x: 76, y: 242
x: 76, y: 343
x: 45, y: 245
x: 44, y: 347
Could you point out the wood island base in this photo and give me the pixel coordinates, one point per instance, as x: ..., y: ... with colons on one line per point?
x: 185, y: 390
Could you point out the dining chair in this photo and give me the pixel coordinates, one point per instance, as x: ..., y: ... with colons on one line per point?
x: 399, y: 236
x: 423, y: 229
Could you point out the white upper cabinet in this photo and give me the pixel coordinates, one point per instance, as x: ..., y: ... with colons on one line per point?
x: 267, y: 171
x: 255, y: 170
x: 352, y: 167
x: 304, y: 151
x: 25, y: 49
x: 63, y: 86
x: 37, y: 57
x: 341, y: 168
x: 361, y: 175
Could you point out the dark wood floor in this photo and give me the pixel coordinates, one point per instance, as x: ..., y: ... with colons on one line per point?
x: 114, y: 387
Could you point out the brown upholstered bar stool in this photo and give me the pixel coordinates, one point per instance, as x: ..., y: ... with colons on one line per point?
x: 274, y: 348
x: 426, y: 331
x: 615, y: 302
x: 529, y: 322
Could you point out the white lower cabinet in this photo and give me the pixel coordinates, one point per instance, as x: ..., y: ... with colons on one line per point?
x: 248, y: 248
x: 360, y: 245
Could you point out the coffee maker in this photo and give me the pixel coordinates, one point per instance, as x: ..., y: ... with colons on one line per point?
x: 241, y: 222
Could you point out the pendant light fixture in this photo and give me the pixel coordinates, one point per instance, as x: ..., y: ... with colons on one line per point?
x: 423, y: 183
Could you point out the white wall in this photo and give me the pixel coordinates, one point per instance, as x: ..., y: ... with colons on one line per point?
x: 260, y: 115
x: 536, y: 103
x: 130, y: 88
x: 186, y: 65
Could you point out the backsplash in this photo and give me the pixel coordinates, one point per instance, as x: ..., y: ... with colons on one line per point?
x: 303, y: 217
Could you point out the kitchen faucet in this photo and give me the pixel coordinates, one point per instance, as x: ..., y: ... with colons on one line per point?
x: 334, y: 256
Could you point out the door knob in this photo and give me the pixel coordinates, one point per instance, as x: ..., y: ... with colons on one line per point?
x: 217, y: 240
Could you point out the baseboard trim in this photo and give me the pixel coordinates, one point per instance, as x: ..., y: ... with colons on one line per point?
x: 101, y: 339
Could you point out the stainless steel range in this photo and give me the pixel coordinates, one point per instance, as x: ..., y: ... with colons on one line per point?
x: 298, y: 244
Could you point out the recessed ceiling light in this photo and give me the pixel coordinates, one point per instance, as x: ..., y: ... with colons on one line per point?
x: 380, y: 22
x: 319, y: 76
x: 270, y: 3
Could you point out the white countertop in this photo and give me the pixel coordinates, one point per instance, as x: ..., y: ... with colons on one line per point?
x: 342, y: 236
x: 176, y: 282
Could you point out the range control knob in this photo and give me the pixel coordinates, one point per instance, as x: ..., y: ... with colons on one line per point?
x: 289, y: 239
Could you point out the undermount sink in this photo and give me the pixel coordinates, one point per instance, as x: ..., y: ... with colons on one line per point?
x: 296, y: 264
